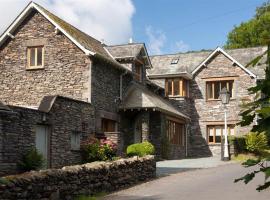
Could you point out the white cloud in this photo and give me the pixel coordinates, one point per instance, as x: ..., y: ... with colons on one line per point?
x: 181, y: 46
x: 156, y: 40
x: 110, y: 20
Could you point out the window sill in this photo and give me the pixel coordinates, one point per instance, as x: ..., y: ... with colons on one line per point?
x: 177, y: 97
x: 116, y: 132
x: 34, y: 68
x: 214, y: 144
x: 75, y: 150
x: 211, y: 100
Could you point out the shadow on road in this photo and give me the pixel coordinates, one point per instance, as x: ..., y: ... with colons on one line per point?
x: 131, y: 197
x: 166, y: 171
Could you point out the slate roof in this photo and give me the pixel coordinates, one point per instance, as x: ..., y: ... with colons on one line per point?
x: 189, y: 61
x: 125, y: 50
x: 139, y: 97
x: 84, y: 39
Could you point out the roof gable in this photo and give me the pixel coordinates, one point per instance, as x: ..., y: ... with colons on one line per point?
x: 89, y: 45
x: 220, y: 50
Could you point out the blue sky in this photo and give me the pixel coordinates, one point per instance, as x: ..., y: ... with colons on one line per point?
x: 196, y: 24
x: 166, y: 26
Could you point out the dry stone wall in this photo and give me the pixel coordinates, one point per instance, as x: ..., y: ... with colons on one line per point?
x: 68, y: 182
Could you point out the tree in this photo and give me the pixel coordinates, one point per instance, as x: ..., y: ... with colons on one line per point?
x: 260, y: 109
x: 253, y: 32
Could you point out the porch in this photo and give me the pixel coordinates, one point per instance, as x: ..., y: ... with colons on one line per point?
x: 146, y: 116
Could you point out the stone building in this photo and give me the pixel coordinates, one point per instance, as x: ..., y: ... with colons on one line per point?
x: 51, y: 72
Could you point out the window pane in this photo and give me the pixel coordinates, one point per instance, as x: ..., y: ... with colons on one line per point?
x: 169, y: 87
x: 218, y: 134
x: 176, y: 86
x: 184, y: 92
x: 32, y: 56
x: 108, y: 125
x: 217, y: 89
x: 218, y: 139
x: 218, y: 130
x: 231, y: 88
x: 231, y: 130
x: 39, y: 56
x: 209, y: 90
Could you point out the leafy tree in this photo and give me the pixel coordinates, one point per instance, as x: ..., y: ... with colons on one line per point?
x: 253, y: 32
x: 259, y: 109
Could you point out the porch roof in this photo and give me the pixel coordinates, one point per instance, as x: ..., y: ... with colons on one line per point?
x: 139, y: 97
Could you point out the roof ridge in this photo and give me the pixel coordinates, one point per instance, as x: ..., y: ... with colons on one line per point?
x: 117, y: 45
x: 180, y: 53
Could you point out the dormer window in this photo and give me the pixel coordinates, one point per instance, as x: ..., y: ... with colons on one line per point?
x: 175, y: 61
x: 35, y: 57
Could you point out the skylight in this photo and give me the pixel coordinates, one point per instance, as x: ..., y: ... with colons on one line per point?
x: 175, y: 61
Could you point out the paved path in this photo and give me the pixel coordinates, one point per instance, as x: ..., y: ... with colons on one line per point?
x: 175, y: 166
x: 204, y: 184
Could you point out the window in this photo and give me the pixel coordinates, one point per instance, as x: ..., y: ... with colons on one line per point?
x: 138, y: 72
x: 75, y: 140
x: 216, y: 132
x: 176, y: 132
x: 108, y: 125
x: 35, y: 56
x: 176, y: 87
x: 175, y: 61
x: 213, y: 88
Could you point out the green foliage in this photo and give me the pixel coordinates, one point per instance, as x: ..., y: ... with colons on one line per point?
x: 140, y: 149
x: 165, y: 147
x: 32, y: 160
x: 239, y: 144
x: 254, y: 32
x: 4, y: 181
x: 95, y: 150
x: 256, y: 142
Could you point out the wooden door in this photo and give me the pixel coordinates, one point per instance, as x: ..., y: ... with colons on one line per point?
x: 42, y: 137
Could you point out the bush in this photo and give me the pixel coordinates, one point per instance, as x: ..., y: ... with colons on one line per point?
x: 94, y: 150
x: 140, y: 149
x: 32, y: 160
x: 256, y: 142
x: 239, y: 144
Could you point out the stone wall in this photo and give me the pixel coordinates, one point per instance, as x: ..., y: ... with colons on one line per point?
x: 203, y: 112
x: 66, y: 67
x: 105, y: 89
x: 206, y: 113
x: 68, y: 182
x: 17, y: 136
x: 61, y: 115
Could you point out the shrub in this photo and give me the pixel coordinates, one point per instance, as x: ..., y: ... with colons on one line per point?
x: 239, y: 144
x: 94, y: 150
x: 32, y: 160
x: 140, y: 149
x: 256, y: 142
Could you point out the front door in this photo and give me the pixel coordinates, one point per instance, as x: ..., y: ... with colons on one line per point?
x: 42, y: 135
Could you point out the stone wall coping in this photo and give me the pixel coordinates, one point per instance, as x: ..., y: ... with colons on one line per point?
x: 93, y: 166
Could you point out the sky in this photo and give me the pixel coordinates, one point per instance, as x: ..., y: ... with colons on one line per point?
x: 166, y: 26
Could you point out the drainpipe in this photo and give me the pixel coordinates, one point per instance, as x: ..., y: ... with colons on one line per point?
x: 121, y: 85
x: 187, y: 126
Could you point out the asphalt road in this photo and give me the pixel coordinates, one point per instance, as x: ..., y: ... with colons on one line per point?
x: 202, y: 184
